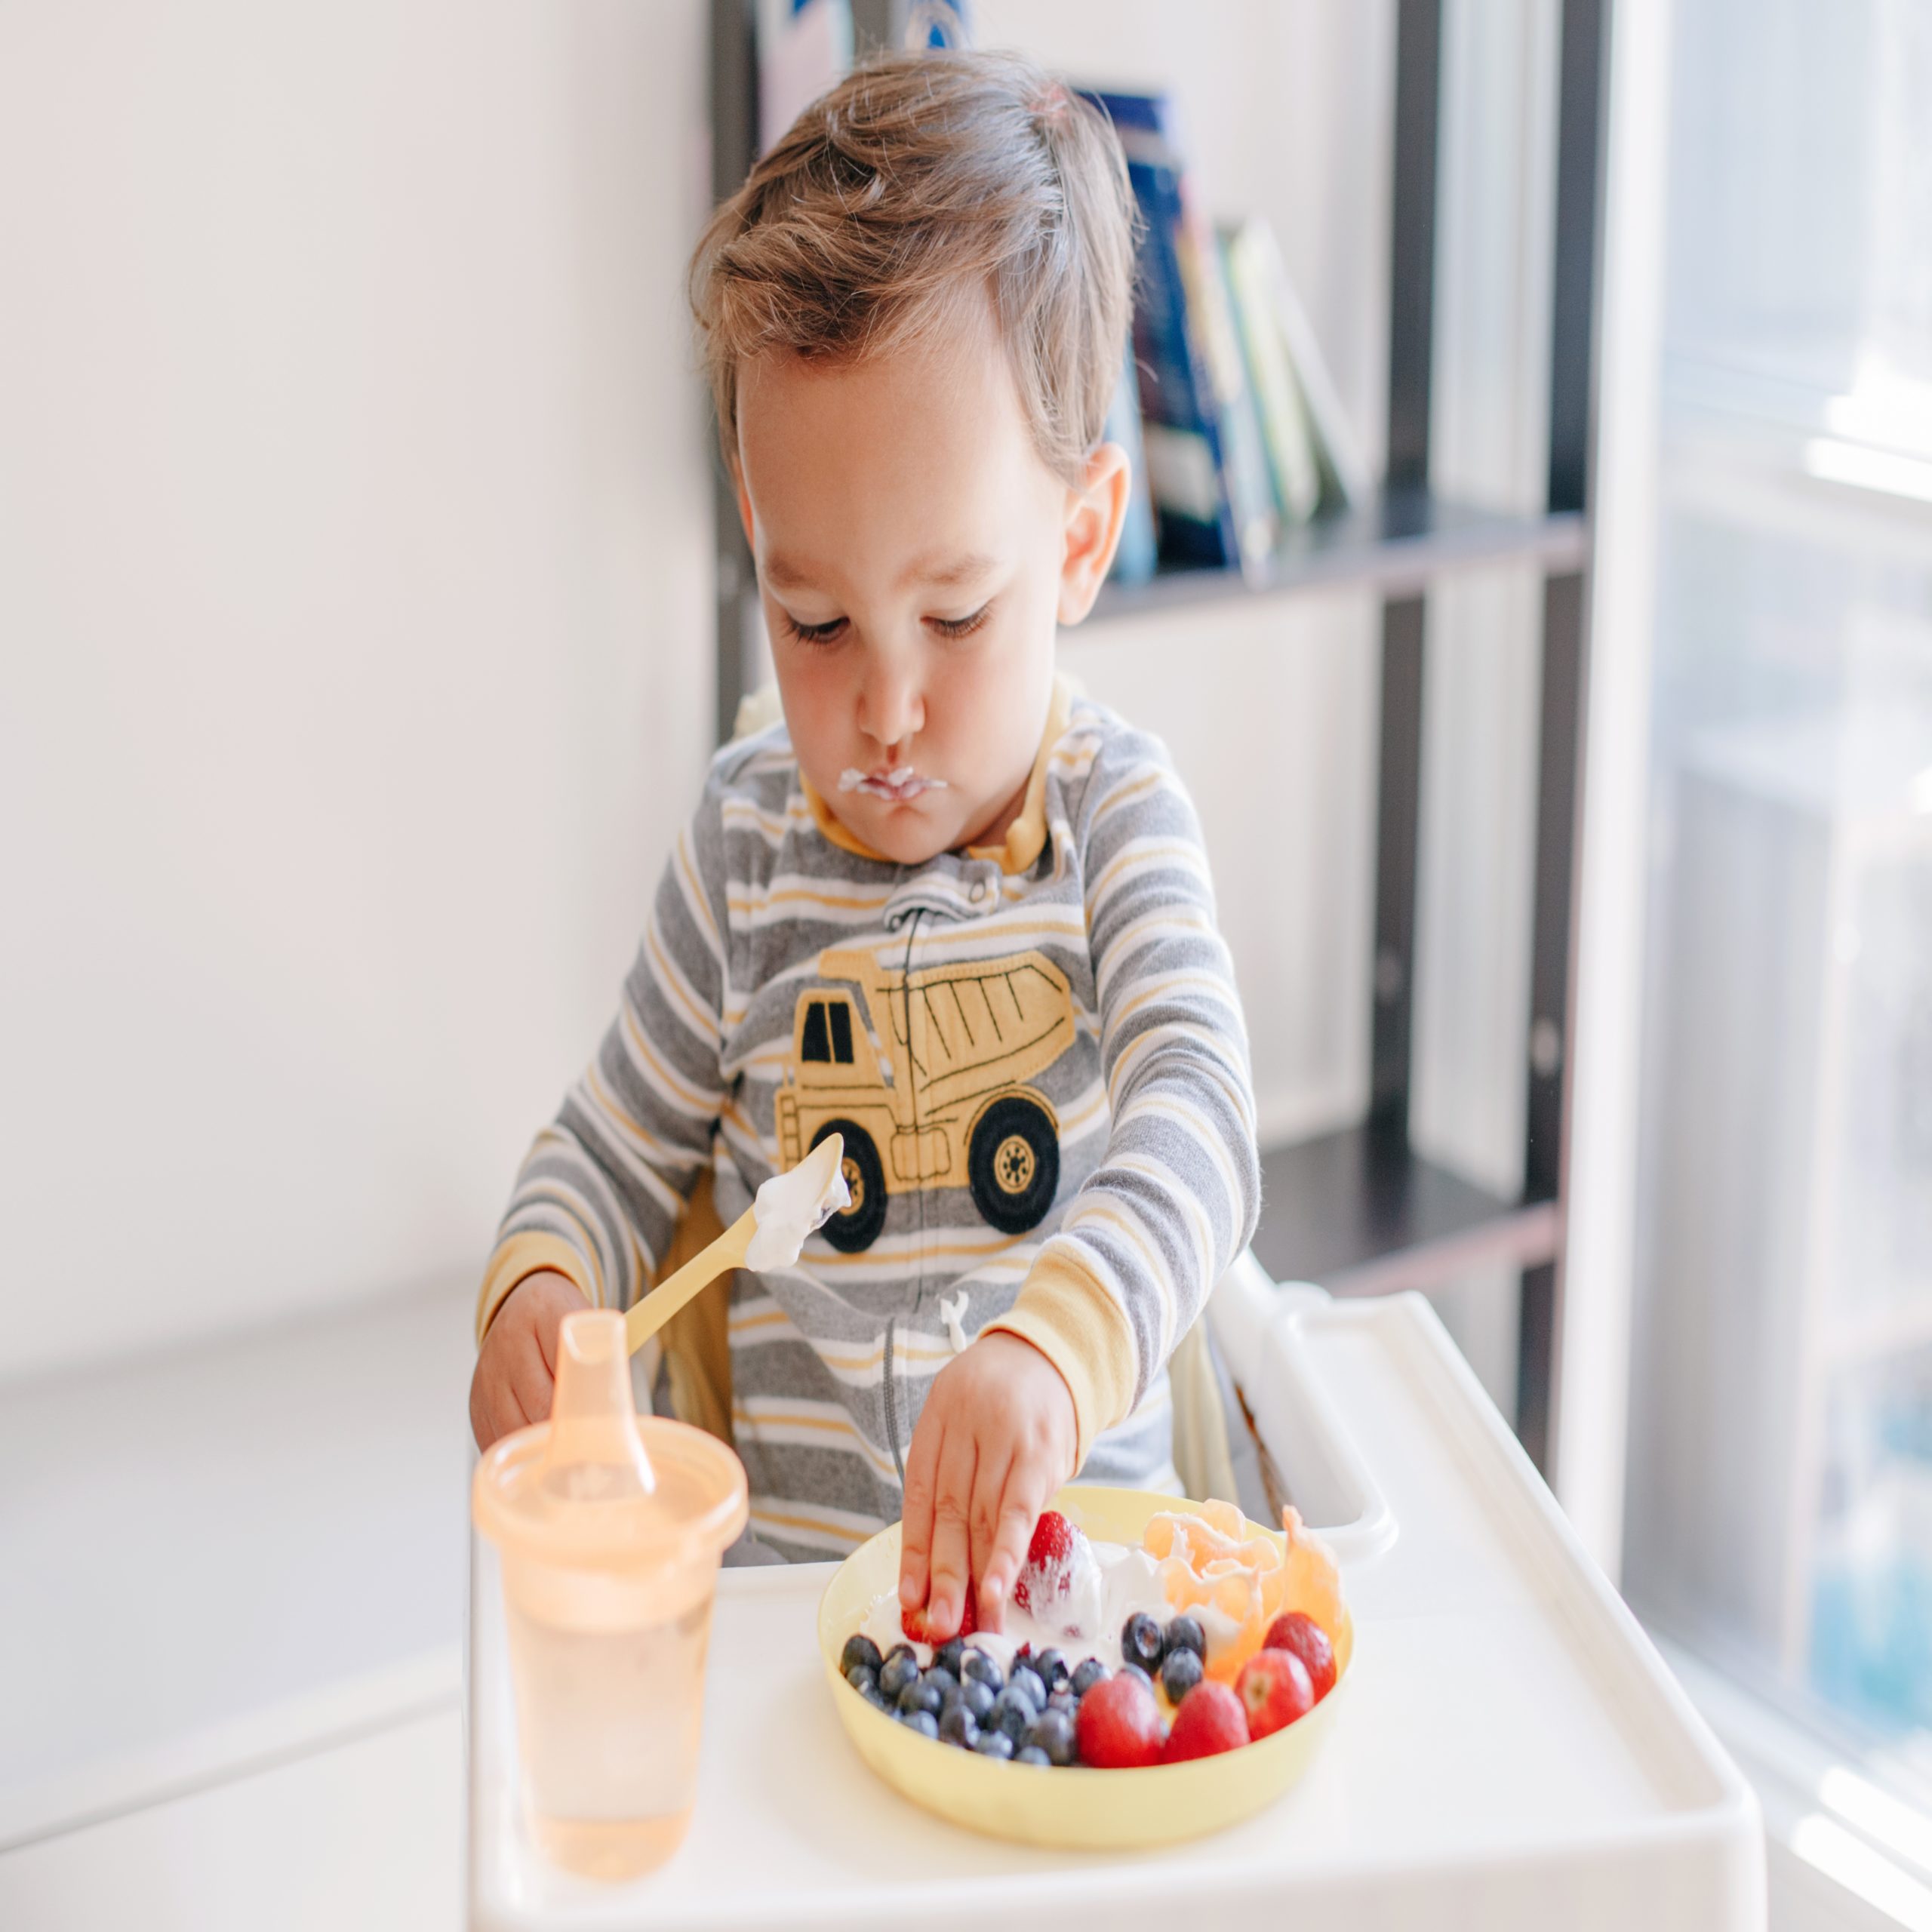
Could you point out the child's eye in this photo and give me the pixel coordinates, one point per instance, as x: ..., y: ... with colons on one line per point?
x: 828, y: 633
x: 960, y: 626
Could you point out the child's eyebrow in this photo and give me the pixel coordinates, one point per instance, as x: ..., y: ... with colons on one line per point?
x: 942, y: 573
x: 953, y: 571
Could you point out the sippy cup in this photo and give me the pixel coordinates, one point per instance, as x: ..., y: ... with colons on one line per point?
x: 610, y: 1527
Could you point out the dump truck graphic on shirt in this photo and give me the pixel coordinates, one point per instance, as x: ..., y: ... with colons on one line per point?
x: 926, y: 1075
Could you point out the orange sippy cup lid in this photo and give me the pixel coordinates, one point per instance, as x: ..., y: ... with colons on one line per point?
x: 598, y: 1487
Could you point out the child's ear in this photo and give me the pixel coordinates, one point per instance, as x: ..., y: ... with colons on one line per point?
x: 1096, y: 511
x: 744, y: 505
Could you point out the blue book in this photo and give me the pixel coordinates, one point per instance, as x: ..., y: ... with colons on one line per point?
x: 1181, y: 419
x: 1134, y: 558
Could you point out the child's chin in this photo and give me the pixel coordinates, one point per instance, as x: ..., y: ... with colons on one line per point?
x: 906, y: 836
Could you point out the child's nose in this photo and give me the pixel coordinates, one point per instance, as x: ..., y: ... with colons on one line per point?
x: 890, y: 708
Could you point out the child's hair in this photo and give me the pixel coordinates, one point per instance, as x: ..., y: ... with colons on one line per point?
x: 919, y: 178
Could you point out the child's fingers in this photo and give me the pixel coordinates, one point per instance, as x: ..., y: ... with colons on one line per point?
x: 494, y: 1411
x: 989, y: 1478
x: 953, y: 1496
x: 916, y: 1512
x: 529, y: 1381
x: 1025, y: 1495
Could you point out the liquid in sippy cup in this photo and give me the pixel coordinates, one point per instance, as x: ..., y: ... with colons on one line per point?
x: 610, y: 1527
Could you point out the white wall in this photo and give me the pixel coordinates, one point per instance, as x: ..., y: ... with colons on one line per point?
x: 355, y: 610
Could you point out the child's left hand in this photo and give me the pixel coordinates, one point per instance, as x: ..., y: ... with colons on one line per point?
x: 996, y: 1439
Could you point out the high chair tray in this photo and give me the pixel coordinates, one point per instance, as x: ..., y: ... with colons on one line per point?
x: 1515, y: 1754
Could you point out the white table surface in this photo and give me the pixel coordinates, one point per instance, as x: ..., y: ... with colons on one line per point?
x: 1513, y: 1754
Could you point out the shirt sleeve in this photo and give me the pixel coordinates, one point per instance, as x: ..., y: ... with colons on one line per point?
x: 600, y: 1193
x: 1177, y: 1192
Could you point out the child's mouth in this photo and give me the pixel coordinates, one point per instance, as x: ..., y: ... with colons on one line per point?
x: 898, y: 786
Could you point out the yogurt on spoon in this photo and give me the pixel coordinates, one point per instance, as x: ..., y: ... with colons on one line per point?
x: 790, y: 1206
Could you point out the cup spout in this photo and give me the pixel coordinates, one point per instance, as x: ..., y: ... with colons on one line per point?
x: 594, y: 1452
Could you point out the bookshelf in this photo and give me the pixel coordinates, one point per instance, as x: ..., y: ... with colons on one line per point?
x: 1358, y: 1210
x: 1399, y: 544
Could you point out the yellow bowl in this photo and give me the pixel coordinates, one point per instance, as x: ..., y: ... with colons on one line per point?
x: 1075, y: 1809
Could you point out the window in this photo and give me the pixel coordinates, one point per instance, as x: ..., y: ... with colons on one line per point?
x: 821, y: 1043
x: 812, y: 1045
x: 1780, y: 1517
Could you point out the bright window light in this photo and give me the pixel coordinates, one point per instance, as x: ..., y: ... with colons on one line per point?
x: 1831, y: 461
x: 1827, y: 1847
x: 1898, y: 1827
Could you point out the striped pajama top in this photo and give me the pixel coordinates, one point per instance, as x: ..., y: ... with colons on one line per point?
x: 1036, y: 1055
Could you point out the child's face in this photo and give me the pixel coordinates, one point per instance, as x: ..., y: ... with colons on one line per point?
x: 914, y: 556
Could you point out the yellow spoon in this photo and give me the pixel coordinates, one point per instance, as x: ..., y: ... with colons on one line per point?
x: 768, y: 1234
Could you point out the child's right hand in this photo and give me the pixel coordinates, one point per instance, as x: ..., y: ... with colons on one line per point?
x: 516, y: 1366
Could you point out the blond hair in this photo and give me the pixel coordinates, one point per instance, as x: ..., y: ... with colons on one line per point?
x: 919, y: 179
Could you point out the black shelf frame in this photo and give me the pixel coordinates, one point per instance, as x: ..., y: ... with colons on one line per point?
x: 1359, y: 1210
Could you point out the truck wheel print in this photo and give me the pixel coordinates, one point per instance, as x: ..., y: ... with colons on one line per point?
x: 857, y: 1227
x: 1013, y: 1164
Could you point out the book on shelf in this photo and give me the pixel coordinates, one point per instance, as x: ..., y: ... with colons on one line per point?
x: 1135, y: 556
x: 1300, y: 403
x: 1180, y: 407
x: 1294, y: 466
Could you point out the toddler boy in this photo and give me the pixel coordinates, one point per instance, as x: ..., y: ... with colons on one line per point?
x: 948, y: 908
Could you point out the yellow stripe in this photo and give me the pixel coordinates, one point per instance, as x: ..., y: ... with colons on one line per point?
x: 1170, y: 984
x: 1067, y: 1314
x: 685, y: 859
x: 851, y: 1538
x: 656, y: 1071
x: 516, y: 1259
x: 671, y: 983
x: 1142, y: 854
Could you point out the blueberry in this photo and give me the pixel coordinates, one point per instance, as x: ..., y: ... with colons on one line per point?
x: 862, y: 1680
x: 899, y: 1669
x: 949, y: 1655
x: 1062, y: 1699
x: 957, y: 1725
x: 1134, y: 1670
x: 878, y: 1703
x: 977, y: 1697
x: 1053, y: 1734
x: 921, y: 1722
x: 993, y: 1744
x: 977, y: 1664
x: 1185, y: 1633
x: 920, y: 1696
x: 1011, y: 1714
x: 1031, y: 1754
x: 942, y: 1680
x: 1140, y: 1641
x: 860, y: 1650
x: 1091, y: 1672
x: 1025, y: 1680
x: 1180, y: 1673
x: 1051, y: 1668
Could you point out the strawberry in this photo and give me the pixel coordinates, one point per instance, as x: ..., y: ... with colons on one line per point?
x: 1118, y: 1724
x: 1052, y: 1539
x: 919, y: 1630
x: 1049, y: 1558
x: 1300, y: 1634
x: 1210, y: 1720
x: 1273, y: 1690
